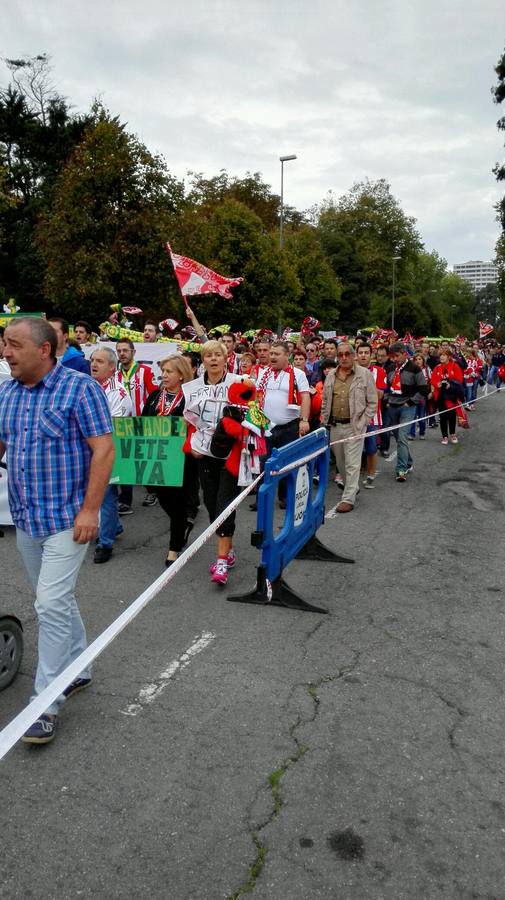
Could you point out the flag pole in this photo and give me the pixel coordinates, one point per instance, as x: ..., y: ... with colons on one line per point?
x: 169, y: 251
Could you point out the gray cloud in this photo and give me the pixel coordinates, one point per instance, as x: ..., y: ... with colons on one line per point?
x: 379, y: 89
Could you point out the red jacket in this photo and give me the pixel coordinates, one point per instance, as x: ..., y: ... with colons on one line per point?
x: 449, y: 371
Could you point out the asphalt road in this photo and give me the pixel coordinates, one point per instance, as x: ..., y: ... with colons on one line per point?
x: 225, y: 748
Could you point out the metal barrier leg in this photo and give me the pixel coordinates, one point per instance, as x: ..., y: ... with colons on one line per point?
x: 314, y: 549
x: 275, y: 593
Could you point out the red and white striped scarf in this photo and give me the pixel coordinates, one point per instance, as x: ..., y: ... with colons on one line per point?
x: 164, y: 407
x: 293, y: 392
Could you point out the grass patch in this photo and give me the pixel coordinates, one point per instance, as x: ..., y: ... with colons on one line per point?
x: 255, y: 870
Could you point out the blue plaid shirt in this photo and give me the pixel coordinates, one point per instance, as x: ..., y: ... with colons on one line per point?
x: 44, y: 429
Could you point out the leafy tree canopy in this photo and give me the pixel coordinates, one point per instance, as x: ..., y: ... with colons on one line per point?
x: 102, y: 240
x: 361, y: 233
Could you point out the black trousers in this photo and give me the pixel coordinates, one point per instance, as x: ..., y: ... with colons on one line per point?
x: 219, y: 488
x: 125, y: 494
x: 447, y: 419
x: 176, y: 501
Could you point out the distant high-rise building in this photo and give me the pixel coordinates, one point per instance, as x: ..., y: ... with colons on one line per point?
x: 477, y: 273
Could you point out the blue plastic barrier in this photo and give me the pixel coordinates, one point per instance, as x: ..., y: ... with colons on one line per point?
x: 305, y: 458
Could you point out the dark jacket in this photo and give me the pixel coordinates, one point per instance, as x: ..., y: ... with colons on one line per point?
x: 413, y: 385
x: 151, y: 403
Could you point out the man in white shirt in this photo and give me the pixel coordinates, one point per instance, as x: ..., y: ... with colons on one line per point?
x: 103, y: 370
x: 285, y: 398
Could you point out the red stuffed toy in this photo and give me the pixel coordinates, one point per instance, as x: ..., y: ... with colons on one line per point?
x: 241, y: 442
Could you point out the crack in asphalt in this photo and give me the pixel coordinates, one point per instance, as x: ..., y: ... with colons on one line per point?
x: 451, y: 704
x: 275, y: 778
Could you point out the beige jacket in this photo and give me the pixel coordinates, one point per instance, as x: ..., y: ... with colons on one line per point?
x: 362, y: 398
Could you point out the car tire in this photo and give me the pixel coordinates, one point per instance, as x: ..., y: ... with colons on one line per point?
x: 11, y: 650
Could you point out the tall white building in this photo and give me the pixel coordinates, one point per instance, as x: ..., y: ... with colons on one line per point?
x: 477, y: 273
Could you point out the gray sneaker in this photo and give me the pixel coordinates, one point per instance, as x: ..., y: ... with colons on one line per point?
x: 369, y: 482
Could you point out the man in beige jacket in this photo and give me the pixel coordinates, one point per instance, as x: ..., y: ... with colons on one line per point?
x: 349, y: 405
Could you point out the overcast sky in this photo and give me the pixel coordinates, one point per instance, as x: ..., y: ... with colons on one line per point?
x: 398, y: 89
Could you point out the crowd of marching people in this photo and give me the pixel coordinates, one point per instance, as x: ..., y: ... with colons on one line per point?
x: 353, y: 388
x: 241, y: 397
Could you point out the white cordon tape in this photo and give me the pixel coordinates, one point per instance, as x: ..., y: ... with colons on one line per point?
x: 300, y: 462
x: 12, y: 732
x: 359, y: 437
x: 15, y: 729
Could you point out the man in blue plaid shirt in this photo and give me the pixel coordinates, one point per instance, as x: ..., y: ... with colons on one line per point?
x: 56, y: 428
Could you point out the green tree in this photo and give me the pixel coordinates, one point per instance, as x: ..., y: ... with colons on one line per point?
x: 233, y: 241
x: 102, y: 241
x: 457, y: 300
x: 321, y: 289
x: 361, y: 233
x: 37, y: 134
x: 251, y: 190
x: 487, y: 304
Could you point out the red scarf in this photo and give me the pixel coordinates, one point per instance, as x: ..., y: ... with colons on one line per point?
x: 163, y: 407
x: 396, y: 384
x: 293, y: 392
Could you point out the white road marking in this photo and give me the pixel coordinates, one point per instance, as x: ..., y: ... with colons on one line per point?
x: 332, y: 513
x: 152, y: 691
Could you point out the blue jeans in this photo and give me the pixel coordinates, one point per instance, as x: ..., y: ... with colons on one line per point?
x: 110, y: 523
x: 402, y: 416
x: 471, y: 391
x: 53, y: 564
x: 493, y: 374
x: 420, y: 412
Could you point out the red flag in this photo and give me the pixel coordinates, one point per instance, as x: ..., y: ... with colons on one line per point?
x: 194, y: 278
x: 309, y: 325
x: 169, y: 324
x: 484, y: 329
x: 386, y: 333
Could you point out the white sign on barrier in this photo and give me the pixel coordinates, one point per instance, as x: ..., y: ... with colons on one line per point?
x: 302, y: 490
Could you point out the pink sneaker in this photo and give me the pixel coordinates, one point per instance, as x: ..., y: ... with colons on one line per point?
x: 220, y: 573
x: 454, y: 439
x: 231, y: 560
x: 444, y: 441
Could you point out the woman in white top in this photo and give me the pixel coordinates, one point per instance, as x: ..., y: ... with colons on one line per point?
x: 205, y: 399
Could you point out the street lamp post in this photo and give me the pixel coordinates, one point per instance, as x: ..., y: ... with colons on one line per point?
x: 451, y: 314
x: 393, y: 295
x: 282, y: 160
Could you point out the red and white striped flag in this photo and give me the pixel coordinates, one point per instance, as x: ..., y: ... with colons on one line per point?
x: 194, y: 278
x: 169, y: 324
x: 484, y: 329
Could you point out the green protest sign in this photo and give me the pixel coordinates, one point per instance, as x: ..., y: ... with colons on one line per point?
x: 149, y: 450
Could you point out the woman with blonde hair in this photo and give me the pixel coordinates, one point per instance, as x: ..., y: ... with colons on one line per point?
x: 206, y: 398
x: 168, y: 400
